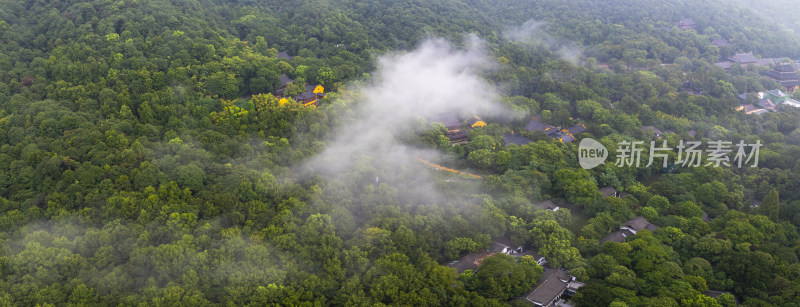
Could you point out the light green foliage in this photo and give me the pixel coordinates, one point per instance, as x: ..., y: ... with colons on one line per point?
x: 502, y: 277
x: 659, y: 203
x: 576, y: 186
x: 554, y: 242
x: 224, y: 85
x: 455, y: 247
x: 145, y: 160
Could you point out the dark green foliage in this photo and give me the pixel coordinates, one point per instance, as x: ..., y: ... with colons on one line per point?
x: 140, y: 163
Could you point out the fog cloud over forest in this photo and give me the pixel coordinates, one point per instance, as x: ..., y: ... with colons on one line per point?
x: 408, y: 88
x: 533, y: 32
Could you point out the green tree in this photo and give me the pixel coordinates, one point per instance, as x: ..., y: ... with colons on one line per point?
x: 501, y: 277
x: 223, y: 85
x: 482, y: 142
x: 770, y: 206
x: 586, y: 108
x: 326, y: 77
x: 455, y: 247
x: 576, y: 185
x: 191, y: 176
x: 658, y: 202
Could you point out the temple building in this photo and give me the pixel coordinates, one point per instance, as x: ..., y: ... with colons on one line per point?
x: 309, y: 97
x: 786, y: 75
x: 686, y: 24
x: 455, y: 132
x: 744, y: 58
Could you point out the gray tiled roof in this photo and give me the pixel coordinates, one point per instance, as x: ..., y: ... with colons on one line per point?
x: 724, y: 65
x: 765, y: 62
x: 516, y: 139
x: 618, y: 236
x: 579, y: 128
x: 285, y: 80
x: 308, y: 94
x: 564, y: 137
x: 550, y: 286
x: 535, y: 125
x: 639, y: 223
x: 608, y: 191
x: 284, y: 55
x: 784, y: 68
x: 546, y: 204
x: 743, y: 58
x: 720, y: 42
x: 449, y: 120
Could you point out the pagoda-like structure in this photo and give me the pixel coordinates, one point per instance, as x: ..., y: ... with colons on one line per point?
x: 786, y: 75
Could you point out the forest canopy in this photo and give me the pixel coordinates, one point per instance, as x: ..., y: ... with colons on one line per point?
x: 341, y: 152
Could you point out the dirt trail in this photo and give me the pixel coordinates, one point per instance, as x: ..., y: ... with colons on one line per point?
x: 446, y: 169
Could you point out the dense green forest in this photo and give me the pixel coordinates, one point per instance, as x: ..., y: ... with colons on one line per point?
x: 144, y: 159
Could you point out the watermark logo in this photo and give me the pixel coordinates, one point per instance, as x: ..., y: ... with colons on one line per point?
x: 591, y: 153
x: 689, y: 154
